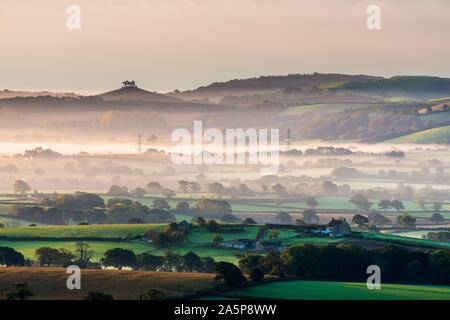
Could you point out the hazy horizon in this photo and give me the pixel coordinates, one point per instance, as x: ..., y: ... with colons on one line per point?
x: 99, y: 90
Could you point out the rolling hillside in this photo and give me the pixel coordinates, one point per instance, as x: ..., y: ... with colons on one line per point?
x: 265, y: 84
x: 439, y: 117
x: 435, y: 135
x: 399, y: 86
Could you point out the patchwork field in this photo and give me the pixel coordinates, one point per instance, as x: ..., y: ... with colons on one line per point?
x: 318, y: 290
x: 50, y: 283
x: 197, y: 236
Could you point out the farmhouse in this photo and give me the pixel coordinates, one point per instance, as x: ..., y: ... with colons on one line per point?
x: 238, y: 244
x: 184, y: 225
x: 338, y: 228
x: 149, y: 235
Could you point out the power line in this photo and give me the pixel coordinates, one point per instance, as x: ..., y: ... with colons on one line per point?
x: 288, y: 139
x: 139, y: 142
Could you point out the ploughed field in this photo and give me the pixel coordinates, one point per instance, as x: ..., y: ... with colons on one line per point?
x: 50, y: 283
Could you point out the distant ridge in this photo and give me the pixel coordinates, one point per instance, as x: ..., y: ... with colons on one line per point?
x: 6, y: 94
x: 132, y: 93
x: 265, y: 84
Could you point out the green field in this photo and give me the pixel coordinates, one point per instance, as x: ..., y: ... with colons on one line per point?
x: 324, y: 107
x: 398, y: 87
x: 424, y: 137
x: 283, y: 234
x: 27, y: 248
x: 4, y: 209
x: 318, y: 290
x: 412, y: 234
x: 311, y: 240
x: 201, y: 235
x: 341, y: 203
x: 390, y: 237
x: 439, y: 117
x: 215, y: 253
x: 99, y: 231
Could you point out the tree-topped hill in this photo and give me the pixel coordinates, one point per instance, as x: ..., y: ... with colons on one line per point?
x: 131, y: 93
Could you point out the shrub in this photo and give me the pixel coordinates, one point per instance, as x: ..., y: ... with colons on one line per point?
x: 152, y: 294
x: 229, y: 274
x: 212, y: 226
x: 256, y: 274
x: 217, y: 238
x: 19, y: 292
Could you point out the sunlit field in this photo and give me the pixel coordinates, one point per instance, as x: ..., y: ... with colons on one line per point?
x: 315, y: 290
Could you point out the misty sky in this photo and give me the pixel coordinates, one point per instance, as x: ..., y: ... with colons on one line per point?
x: 182, y: 44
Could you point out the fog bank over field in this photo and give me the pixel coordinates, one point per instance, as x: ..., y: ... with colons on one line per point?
x: 131, y: 146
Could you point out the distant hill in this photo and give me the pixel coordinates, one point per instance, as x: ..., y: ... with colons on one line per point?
x: 135, y: 94
x: 399, y: 86
x: 5, y: 94
x: 265, y: 84
x: 121, y: 99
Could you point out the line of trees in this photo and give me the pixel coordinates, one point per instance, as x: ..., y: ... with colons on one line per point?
x: 348, y: 262
x: 117, y: 257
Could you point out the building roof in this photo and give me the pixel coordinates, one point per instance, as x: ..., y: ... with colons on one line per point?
x: 333, y: 223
